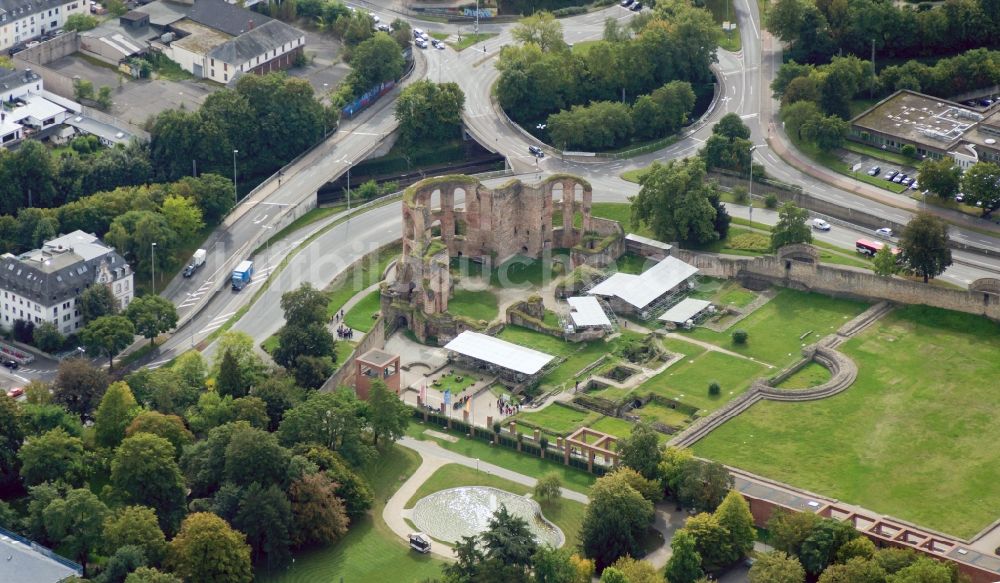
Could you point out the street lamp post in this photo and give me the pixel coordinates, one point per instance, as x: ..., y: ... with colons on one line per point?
x: 267, y: 243
x: 236, y: 194
x: 152, y: 265
x: 349, y: 163
x: 477, y: 16
x: 750, y: 190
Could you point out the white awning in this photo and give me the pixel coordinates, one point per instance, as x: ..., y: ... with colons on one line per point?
x: 587, y: 311
x: 647, y: 241
x: 641, y: 290
x: 685, y: 310
x: 499, y: 352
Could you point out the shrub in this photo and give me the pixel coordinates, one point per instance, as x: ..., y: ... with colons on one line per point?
x: 569, y: 11
x: 740, y: 336
x: 909, y: 150
x: 771, y: 201
x: 714, y: 389
x: 740, y: 194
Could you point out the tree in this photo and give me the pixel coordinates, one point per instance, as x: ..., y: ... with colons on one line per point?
x: 924, y: 570
x: 641, y: 451
x: 612, y: 575
x: 507, y: 541
x: 734, y: 516
x: 241, y: 345
x: 265, y: 517
x: 388, y: 414
x: 123, y: 561
x: 673, y: 461
x: 11, y: 437
x: 151, y: 575
x: 468, y: 561
x: 776, y: 567
x: 191, y: 369
x: 980, y: 185
x: 319, y: 516
x: 791, y: 227
x: 636, y: 571
x: 373, y: 61
x: 924, y: 243
x: 711, y: 540
x: 39, y: 419
x: 254, y: 455
x: 230, y: 381
x: 79, y: 385
x: 826, y: 131
x: 884, y: 262
x: 312, y: 371
x: 548, y: 488
x: 784, y: 19
x: 97, y: 301
x: 559, y: 566
x: 542, y: 29
x: 333, y: 420
x: 116, y: 411
x: 861, y: 547
x: 353, y: 489
x: 940, y: 176
x: 143, y: 471
x: 430, y: 112
x: 169, y: 427
x: 789, y: 530
x: 674, y: 202
x: 79, y: 22
x: 151, y: 316
x: 47, y: 338
x: 857, y: 570
x: 207, y: 550
x: 213, y: 193
x: 729, y: 145
x: 684, y: 565
x: 615, y: 522
x: 76, y: 522
x: 731, y: 126
x: 296, y: 341
x: 135, y: 525
x: 703, y: 485
x: 53, y: 457
x: 797, y: 115
x: 823, y: 544
x: 276, y: 392
x: 108, y: 335
x: 183, y: 215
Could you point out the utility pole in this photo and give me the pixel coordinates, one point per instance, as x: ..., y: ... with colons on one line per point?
x: 750, y: 190
x: 152, y: 266
x: 477, y: 16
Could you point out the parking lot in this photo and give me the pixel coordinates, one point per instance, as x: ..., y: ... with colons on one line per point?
x: 135, y: 100
x: 853, y: 159
x: 326, y: 69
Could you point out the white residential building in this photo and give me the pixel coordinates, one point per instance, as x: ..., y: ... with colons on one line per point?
x: 23, y: 20
x: 44, y: 285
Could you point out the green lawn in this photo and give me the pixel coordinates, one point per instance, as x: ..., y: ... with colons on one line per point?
x: 621, y: 212
x: 583, y: 47
x: 780, y: 328
x: 811, y: 375
x: 451, y: 382
x: 470, y: 39
x: 634, y: 264
x: 915, y: 436
x: 566, y: 514
x: 678, y: 346
x: 360, y: 316
x: 370, y: 551
x: 477, y: 305
x: 613, y: 426
x: 722, y: 11
x: 653, y: 411
x: 360, y: 277
x: 723, y: 292
x: 688, y: 380
x: 578, y: 354
x: 530, y: 465
x: 558, y: 418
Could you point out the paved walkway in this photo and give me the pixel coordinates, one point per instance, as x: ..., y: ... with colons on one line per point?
x: 435, y: 456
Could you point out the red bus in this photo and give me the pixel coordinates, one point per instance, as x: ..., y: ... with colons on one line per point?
x: 870, y: 248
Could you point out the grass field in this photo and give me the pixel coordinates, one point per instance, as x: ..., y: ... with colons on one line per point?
x: 780, y: 328
x: 451, y: 382
x: 653, y: 411
x: 359, y: 278
x: 578, y: 355
x: 558, y: 418
x: 722, y: 292
x: 915, y: 436
x: 811, y: 375
x: 370, y: 551
x: 612, y: 426
x: 530, y: 465
x: 688, y: 380
x: 470, y: 39
x: 478, y: 305
x: 566, y: 514
x: 360, y: 316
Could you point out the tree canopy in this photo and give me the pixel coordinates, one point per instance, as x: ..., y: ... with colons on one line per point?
x: 924, y: 243
x: 678, y: 204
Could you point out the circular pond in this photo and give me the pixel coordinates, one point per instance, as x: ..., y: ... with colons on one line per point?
x: 450, y: 514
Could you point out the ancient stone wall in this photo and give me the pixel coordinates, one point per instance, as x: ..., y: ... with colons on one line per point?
x: 842, y: 281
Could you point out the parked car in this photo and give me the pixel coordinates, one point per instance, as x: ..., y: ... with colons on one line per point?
x: 383, y: 28
x: 437, y: 44
x: 536, y: 151
x: 874, y: 171
x: 636, y: 7
x: 914, y: 185
x: 417, y: 33
x: 375, y: 17
x: 11, y: 364
x: 425, y: 37
x: 891, y: 174
x: 906, y: 181
x: 820, y: 225
x: 959, y: 197
x: 15, y: 392
x: 420, y: 43
x: 898, y: 178
x: 884, y: 232
x: 626, y: 2
x: 986, y: 102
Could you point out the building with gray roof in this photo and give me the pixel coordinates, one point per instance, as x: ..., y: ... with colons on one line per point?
x: 26, y: 562
x: 44, y: 285
x: 24, y: 20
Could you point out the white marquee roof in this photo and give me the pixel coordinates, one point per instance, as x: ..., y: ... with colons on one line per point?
x: 587, y: 311
x: 685, y: 310
x: 641, y: 290
x: 499, y: 352
x: 648, y: 241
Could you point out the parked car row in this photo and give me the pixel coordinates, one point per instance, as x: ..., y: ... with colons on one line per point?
x: 633, y: 5
x: 895, y: 176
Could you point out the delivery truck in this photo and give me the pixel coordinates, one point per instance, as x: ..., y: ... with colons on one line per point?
x: 242, y: 275
x: 197, y: 260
